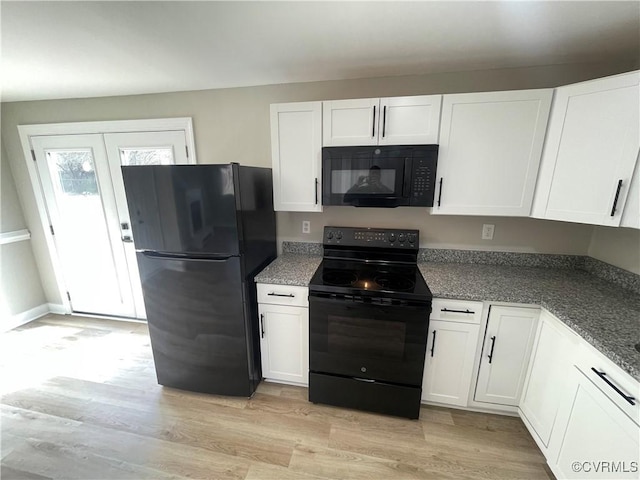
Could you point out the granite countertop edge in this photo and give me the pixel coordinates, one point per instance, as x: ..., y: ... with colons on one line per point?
x: 449, y: 281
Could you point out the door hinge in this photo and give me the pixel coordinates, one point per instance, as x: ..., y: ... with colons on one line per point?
x: 69, y: 296
x: 33, y: 155
x: 52, y: 232
x: 186, y: 149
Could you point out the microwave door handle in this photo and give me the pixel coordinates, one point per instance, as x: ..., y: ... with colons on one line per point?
x: 407, y: 177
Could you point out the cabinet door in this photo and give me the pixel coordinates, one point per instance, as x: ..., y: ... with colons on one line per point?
x: 490, y: 147
x: 599, y: 440
x: 448, y: 368
x: 631, y: 213
x: 551, y: 363
x: 296, y: 155
x: 284, y: 343
x: 350, y: 122
x: 410, y: 120
x: 590, y: 151
x: 505, y: 354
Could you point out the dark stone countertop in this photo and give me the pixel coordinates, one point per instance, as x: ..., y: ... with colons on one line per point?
x: 605, y: 315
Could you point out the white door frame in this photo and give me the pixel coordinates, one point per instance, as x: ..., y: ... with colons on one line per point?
x: 74, y: 128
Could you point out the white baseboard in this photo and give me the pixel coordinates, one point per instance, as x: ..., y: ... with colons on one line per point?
x: 25, y: 317
x: 58, y: 308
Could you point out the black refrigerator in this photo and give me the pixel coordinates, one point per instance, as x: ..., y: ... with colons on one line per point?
x: 202, y: 232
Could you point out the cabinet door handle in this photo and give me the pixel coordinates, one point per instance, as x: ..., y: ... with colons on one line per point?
x: 440, y: 192
x: 384, y: 120
x: 316, y: 188
x: 615, y: 200
x: 603, y: 376
x: 373, y: 124
x: 262, y: 325
x: 433, y: 342
x: 493, y: 344
x: 271, y: 294
x: 465, y: 311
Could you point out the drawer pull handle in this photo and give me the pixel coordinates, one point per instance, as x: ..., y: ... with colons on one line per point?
x: 493, y: 344
x: 271, y: 294
x: 433, y: 342
x: 466, y: 311
x: 603, y: 376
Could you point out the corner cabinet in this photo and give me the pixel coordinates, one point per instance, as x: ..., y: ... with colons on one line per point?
x: 284, y: 333
x: 590, y: 151
x: 451, y: 350
x: 505, y: 354
x: 597, y: 433
x: 381, y: 121
x: 490, y: 149
x: 549, y: 369
x: 296, y: 156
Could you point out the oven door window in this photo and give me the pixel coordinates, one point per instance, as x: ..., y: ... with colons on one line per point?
x: 385, y: 343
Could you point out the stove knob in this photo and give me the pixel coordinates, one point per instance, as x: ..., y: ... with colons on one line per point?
x: 401, y: 238
x: 412, y: 237
x: 339, y: 235
x: 330, y: 235
x: 392, y: 237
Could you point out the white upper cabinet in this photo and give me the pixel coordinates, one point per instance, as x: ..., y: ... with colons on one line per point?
x: 381, y: 121
x: 490, y: 149
x: 590, y: 151
x: 296, y: 155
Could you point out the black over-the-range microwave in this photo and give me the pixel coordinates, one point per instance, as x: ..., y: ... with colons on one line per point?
x: 379, y: 176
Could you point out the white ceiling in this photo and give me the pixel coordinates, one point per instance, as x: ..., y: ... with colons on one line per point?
x: 86, y: 49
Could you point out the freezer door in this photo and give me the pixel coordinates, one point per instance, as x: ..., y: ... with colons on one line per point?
x: 196, y: 316
x: 188, y: 209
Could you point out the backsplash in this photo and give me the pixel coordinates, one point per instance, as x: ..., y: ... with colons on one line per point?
x: 618, y: 276
x: 514, y: 259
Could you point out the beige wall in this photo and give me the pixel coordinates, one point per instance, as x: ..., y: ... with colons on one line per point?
x: 447, y: 231
x: 617, y: 246
x: 20, y: 287
x: 233, y: 125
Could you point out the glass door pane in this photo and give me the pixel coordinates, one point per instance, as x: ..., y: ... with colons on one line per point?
x: 79, y: 197
x: 140, y: 148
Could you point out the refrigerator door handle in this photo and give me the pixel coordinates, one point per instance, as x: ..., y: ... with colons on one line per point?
x: 184, y: 258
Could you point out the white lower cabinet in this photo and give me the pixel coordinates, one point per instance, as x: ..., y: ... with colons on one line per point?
x: 452, y: 342
x: 505, y: 354
x: 547, y: 378
x: 597, y: 439
x: 448, y: 368
x: 284, y: 333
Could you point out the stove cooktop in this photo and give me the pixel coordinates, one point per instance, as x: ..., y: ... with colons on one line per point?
x: 352, y: 277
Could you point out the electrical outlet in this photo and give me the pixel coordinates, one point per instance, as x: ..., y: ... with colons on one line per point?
x: 306, y: 226
x: 487, y: 231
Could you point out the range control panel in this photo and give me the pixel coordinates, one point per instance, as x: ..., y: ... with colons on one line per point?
x: 371, y: 237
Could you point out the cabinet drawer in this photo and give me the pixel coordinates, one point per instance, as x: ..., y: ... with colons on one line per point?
x: 610, y: 380
x: 283, y: 294
x: 456, y: 310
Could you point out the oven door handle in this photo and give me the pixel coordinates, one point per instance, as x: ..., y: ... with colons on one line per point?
x: 368, y: 380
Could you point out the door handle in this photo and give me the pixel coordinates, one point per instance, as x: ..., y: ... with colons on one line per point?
x: 127, y: 239
x: 262, y: 325
x: 615, y: 200
x: 493, y: 344
x: 433, y: 342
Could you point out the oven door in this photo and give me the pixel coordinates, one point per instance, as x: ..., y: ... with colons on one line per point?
x: 361, y: 177
x: 362, y: 339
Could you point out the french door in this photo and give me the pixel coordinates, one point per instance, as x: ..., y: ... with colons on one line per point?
x: 86, y: 205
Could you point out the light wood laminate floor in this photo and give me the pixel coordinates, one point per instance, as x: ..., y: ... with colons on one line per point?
x: 80, y: 400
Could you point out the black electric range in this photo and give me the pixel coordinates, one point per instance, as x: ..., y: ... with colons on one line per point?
x: 368, y: 316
